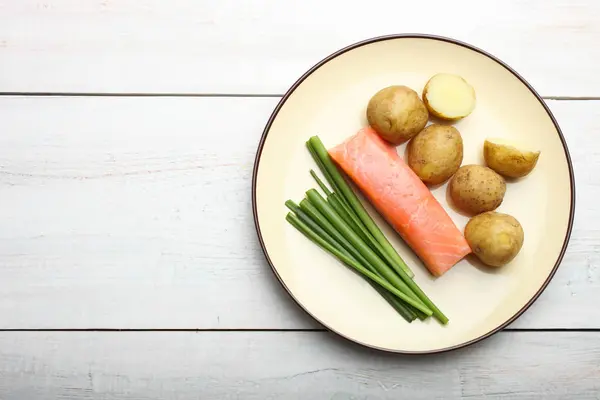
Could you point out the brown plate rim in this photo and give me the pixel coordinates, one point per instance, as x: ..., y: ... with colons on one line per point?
x: 413, y: 36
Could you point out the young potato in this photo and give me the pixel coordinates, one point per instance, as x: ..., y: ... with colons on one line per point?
x: 397, y: 113
x: 495, y: 238
x: 507, y: 159
x: 449, y: 97
x: 436, y: 153
x: 476, y: 189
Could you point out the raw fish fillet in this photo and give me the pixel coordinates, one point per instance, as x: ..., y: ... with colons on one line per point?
x: 402, y: 199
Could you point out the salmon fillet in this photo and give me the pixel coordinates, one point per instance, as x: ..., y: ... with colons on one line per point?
x: 402, y: 199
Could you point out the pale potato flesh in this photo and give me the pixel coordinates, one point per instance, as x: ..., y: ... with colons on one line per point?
x: 449, y: 96
x: 509, y: 159
x: 494, y: 237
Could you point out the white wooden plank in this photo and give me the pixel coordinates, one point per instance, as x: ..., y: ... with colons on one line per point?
x: 233, y: 46
x: 135, y: 213
x: 290, y: 365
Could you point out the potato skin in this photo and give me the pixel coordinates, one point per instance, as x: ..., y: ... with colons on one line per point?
x: 508, y: 160
x: 436, y: 153
x: 495, y: 238
x: 476, y: 189
x: 397, y: 113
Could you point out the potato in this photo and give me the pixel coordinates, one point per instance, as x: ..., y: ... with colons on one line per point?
x: 507, y: 159
x: 449, y: 97
x: 397, y: 113
x: 476, y: 189
x: 495, y: 238
x: 436, y: 153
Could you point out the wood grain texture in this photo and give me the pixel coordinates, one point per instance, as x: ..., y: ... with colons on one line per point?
x: 233, y: 46
x: 135, y: 213
x: 290, y: 365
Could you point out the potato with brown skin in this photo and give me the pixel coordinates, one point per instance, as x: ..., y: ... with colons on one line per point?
x: 397, y: 113
x: 476, y: 189
x: 507, y: 159
x: 436, y: 153
x: 494, y: 237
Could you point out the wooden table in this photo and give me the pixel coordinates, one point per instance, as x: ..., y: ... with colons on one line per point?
x: 129, y: 262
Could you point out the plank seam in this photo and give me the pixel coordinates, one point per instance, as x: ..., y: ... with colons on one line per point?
x: 550, y: 330
x: 224, y: 95
x: 110, y: 94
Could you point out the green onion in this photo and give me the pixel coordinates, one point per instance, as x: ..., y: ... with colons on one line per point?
x: 336, y: 204
x: 309, y: 221
x: 354, y: 224
x: 437, y: 313
x: 317, y: 200
x: 320, y: 183
x: 404, y: 310
x: 359, y: 253
x: 340, y: 185
x: 342, y: 223
x: 318, y: 223
x: 322, y: 168
x: 310, y: 234
x: 348, y: 213
x: 357, y: 244
x: 309, y: 209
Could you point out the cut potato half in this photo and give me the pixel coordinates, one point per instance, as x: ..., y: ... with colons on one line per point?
x: 508, y: 158
x: 449, y: 97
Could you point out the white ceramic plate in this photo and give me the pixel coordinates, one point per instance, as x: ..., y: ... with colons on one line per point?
x: 330, y: 101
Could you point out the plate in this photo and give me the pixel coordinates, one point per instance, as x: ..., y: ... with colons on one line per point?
x: 330, y: 101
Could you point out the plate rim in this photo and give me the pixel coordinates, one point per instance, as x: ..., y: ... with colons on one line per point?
x: 376, y: 39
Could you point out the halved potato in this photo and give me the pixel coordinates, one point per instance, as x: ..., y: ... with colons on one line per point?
x: 508, y: 158
x: 449, y: 97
